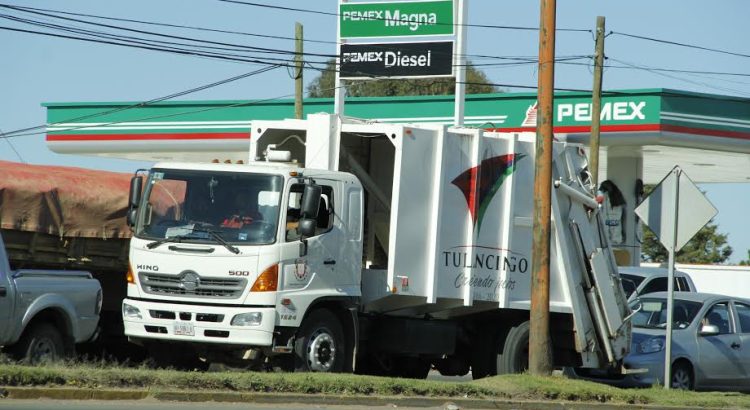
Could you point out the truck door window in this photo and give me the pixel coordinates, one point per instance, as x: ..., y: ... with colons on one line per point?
x: 325, y: 211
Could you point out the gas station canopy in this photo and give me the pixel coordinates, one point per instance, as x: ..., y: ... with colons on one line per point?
x: 707, y: 135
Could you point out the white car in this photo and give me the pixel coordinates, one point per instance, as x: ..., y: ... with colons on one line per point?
x: 637, y: 280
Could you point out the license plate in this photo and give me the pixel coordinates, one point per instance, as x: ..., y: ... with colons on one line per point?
x: 184, y: 329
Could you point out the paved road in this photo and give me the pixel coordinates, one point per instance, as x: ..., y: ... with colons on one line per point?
x: 44, y: 404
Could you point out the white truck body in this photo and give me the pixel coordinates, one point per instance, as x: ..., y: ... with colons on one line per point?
x: 443, y: 227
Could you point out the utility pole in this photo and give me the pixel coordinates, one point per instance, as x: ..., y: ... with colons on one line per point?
x: 540, y: 349
x: 596, y: 103
x: 298, y: 63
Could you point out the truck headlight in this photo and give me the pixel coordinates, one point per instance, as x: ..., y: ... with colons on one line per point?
x: 130, y: 311
x: 652, y: 345
x: 247, y: 319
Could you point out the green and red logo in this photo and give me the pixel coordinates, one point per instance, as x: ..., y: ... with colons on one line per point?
x: 479, y: 184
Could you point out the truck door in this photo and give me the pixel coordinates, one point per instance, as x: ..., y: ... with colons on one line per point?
x: 320, y: 268
x: 6, y: 296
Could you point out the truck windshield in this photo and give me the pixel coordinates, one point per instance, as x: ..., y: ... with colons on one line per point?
x: 210, y: 207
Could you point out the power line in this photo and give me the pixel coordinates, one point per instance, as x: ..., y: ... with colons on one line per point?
x: 13, y: 147
x: 335, y: 14
x: 675, y: 43
x: 152, y: 33
x: 11, y: 134
x: 45, y: 12
x: 148, y: 42
x: 201, y: 110
x: 153, y: 48
x: 153, y: 23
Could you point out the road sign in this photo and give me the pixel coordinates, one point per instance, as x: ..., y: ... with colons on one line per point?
x: 397, y: 60
x: 693, y: 210
x: 675, y: 210
x: 399, y: 18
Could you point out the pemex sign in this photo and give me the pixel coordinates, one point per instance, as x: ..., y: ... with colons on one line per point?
x: 396, y: 19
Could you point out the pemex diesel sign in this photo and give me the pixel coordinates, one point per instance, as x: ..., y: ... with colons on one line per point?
x: 396, y: 19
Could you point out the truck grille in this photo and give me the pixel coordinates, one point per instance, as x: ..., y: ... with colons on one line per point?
x: 189, y: 283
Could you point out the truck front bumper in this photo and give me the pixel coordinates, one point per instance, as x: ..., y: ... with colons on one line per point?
x: 198, y: 324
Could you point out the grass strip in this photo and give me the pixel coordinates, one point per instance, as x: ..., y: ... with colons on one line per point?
x: 508, y: 387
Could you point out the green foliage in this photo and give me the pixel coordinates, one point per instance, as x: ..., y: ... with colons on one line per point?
x: 323, y: 86
x: 707, y: 247
x: 746, y: 262
x: 245, y: 385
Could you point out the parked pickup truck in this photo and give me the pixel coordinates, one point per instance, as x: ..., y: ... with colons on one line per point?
x: 44, y: 313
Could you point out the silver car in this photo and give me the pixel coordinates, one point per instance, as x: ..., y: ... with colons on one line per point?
x: 710, y: 343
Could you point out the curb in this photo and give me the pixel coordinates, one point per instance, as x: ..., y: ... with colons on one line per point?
x: 30, y: 393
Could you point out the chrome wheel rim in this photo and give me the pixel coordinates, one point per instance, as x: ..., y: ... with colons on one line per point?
x: 42, y: 349
x: 321, y: 351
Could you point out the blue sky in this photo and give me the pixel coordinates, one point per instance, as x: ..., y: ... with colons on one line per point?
x: 38, y: 69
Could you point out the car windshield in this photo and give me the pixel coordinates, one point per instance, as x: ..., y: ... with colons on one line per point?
x: 210, y: 207
x: 630, y: 283
x: 653, y: 313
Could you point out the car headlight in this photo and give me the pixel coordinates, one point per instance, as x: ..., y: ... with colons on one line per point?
x: 652, y: 345
x: 130, y: 311
x: 247, y: 319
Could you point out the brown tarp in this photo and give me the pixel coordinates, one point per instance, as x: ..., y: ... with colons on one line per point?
x: 64, y: 201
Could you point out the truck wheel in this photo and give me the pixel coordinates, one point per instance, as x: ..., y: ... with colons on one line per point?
x: 515, y: 357
x: 320, y: 345
x: 41, y: 342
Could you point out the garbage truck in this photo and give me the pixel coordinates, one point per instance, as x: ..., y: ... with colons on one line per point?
x: 343, y: 245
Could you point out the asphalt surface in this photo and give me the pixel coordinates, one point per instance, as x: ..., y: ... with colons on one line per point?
x: 147, y: 404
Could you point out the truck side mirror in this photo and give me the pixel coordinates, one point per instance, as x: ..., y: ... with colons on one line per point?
x: 310, y: 201
x: 136, y: 187
x: 309, y: 210
x: 306, y: 227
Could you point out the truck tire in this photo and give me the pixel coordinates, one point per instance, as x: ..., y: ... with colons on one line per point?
x: 515, y: 357
x: 41, y: 342
x: 320, y: 344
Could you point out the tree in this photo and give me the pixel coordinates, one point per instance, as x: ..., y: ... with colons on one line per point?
x: 746, y: 262
x: 323, y: 86
x: 707, y: 246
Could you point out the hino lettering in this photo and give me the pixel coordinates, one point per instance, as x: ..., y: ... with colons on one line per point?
x: 618, y: 111
x: 153, y: 268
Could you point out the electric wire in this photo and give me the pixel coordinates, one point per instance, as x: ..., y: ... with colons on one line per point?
x: 335, y: 14
x: 676, y: 43
x: 196, y: 111
x: 171, y: 25
x: 13, y: 133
